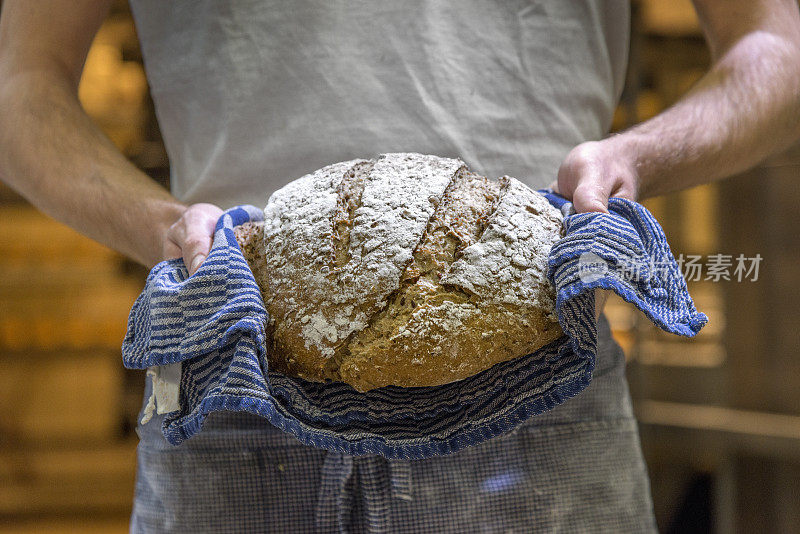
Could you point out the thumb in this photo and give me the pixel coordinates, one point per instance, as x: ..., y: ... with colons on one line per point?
x: 588, y: 198
x: 196, y: 261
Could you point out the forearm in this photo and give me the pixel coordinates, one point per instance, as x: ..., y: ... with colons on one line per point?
x: 744, y: 109
x: 55, y: 156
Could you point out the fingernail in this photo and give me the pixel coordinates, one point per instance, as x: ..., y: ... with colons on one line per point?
x: 196, y: 263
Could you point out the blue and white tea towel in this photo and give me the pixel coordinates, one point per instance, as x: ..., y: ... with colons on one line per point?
x: 212, y: 325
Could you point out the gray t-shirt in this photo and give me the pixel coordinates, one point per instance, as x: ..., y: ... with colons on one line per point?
x: 251, y: 94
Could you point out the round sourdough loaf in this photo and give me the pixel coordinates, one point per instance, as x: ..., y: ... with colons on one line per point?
x: 404, y: 270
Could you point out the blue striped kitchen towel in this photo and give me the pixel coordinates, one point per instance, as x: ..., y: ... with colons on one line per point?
x: 213, y: 323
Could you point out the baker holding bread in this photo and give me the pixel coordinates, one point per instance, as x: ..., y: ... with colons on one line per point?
x: 252, y: 95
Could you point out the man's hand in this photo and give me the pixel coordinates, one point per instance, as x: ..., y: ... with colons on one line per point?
x: 53, y: 154
x: 190, y: 236
x: 744, y: 109
x: 594, y: 171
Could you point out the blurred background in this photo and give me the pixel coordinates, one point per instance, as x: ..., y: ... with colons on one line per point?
x: 719, y: 415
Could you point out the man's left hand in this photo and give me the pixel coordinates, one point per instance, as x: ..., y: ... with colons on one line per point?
x: 592, y: 173
x: 595, y: 171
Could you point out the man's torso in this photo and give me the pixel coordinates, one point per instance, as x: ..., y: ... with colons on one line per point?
x: 251, y: 94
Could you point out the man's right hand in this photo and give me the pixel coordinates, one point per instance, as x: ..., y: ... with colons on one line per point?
x: 191, y: 235
x: 54, y: 155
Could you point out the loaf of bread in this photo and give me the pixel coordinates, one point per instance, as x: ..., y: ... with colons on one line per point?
x: 404, y: 270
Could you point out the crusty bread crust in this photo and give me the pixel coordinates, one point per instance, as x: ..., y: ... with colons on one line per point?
x: 406, y: 270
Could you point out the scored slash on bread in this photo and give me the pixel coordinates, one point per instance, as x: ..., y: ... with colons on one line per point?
x: 406, y: 270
